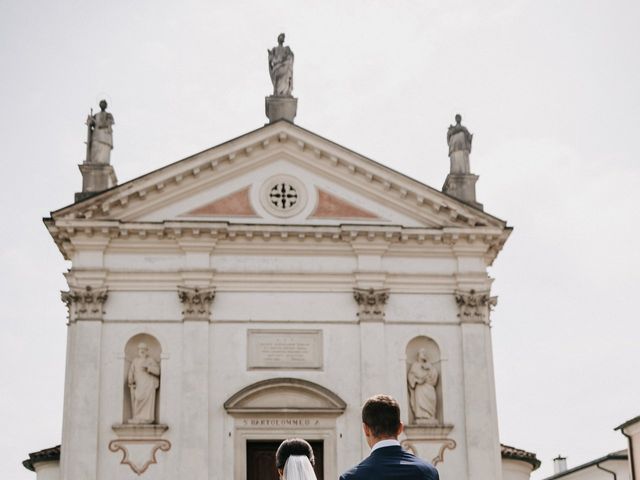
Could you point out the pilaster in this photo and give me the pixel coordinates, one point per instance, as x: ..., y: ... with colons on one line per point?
x: 82, y: 408
x: 195, y: 379
x: 371, y: 304
x: 480, y: 411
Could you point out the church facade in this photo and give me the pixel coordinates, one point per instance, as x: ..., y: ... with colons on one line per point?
x: 263, y: 289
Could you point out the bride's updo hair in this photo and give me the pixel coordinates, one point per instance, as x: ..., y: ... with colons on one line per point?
x: 293, y: 446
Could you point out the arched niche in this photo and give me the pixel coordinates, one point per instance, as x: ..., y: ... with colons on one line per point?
x: 416, y: 373
x: 130, y: 353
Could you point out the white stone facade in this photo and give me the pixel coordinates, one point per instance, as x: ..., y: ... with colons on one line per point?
x: 273, y: 233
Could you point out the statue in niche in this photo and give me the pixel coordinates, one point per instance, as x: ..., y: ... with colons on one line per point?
x: 422, y: 379
x: 459, y: 141
x: 100, y: 135
x: 143, y: 380
x: 281, y: 68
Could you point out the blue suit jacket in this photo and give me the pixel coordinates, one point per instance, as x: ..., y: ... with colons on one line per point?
x: 389, y: 463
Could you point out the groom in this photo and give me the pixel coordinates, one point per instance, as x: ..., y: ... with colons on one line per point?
x: 388, y: 460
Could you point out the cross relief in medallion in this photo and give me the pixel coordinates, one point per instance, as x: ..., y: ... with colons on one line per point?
x: 283, y: 196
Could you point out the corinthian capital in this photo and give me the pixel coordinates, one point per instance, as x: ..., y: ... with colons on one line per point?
x: 475, y: 306
x: 84, y: 303
x: 196, y: 302
x: 371, y: 303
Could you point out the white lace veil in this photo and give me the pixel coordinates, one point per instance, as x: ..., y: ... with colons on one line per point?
x: 298, y: 467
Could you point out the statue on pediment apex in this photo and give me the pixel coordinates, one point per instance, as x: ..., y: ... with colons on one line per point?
x: 281, y: 68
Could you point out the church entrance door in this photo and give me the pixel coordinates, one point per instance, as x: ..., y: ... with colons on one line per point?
x: 261, y: 459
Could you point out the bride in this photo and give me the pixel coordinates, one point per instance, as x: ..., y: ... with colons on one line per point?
x: 294, y: 460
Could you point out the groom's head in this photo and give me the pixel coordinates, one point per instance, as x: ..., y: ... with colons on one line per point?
x: 381, y: 419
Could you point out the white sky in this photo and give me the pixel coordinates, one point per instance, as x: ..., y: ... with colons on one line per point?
x: 549, y: 88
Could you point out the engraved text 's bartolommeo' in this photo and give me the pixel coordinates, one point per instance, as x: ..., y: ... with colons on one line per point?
x: 284, y: 349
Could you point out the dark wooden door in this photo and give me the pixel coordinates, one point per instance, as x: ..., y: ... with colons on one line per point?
x: 261, y: 459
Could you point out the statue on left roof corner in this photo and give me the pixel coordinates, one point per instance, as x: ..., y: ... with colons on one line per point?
x: 99, y: 135
x: 281, y: 68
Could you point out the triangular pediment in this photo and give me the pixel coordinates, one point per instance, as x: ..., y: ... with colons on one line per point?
x: 236, y: 204
x: 280, y: 174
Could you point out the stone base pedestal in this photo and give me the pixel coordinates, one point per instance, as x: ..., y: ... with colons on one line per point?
x: 139, y: 445
x: 95, y: 178
x: 462, y: 187
x: 280, y: 108
x: 131, y: 430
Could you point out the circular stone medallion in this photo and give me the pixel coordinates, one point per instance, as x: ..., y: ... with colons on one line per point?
x: 283, y: 196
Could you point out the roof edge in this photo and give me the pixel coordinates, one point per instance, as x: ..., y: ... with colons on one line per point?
x: 51, y: 454
x: 610, y: 456
x: 513, y: 453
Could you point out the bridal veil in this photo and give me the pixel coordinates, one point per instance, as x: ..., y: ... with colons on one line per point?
x: 298, y: 467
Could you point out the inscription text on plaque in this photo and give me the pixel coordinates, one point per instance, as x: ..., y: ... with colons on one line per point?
x: 284, y: 349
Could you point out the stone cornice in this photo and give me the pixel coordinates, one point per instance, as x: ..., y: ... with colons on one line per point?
x: 70, y: 233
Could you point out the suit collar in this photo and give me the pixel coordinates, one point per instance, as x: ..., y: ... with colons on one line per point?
x: 390, y: 450
x: 391, y: 442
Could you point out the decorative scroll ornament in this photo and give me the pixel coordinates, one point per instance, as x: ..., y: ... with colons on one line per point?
x: 426, y: 447
x: 196, y: 302
x: 85, y: 303
x: 371, y: 303
x: 475, y: 307
x: 139, y: 454
x: 449, y: 444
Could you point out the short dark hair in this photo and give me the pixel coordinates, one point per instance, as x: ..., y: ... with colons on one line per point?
x: 381, y: 413
x: 293, y: 446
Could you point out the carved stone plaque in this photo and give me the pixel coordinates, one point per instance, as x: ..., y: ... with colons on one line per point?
x: 289, y: 349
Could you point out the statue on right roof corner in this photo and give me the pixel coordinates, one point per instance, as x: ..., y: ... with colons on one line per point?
x: 459, y: 141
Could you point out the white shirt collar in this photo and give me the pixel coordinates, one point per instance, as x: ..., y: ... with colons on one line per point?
x: 386, y: 443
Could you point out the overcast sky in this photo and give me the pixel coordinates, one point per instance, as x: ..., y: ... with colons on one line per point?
x: 550, y: 90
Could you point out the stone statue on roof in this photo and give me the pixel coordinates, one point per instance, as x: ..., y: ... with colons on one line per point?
x: 100, y: 136
x: 281, y: 68
x: 459, y: 140
x: 458, y: 137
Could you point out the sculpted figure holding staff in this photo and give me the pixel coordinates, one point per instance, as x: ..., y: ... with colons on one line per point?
x: 100, y: 135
